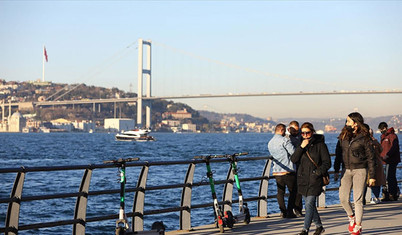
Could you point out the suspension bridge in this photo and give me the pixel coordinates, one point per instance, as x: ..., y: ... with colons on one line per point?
x: 144, y: 71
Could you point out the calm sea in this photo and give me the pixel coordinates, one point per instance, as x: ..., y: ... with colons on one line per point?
x: 55, y: 149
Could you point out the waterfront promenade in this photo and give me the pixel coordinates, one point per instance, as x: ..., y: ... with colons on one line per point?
x: 383, y: 218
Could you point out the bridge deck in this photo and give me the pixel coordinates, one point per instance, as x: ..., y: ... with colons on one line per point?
x: 383, y: 218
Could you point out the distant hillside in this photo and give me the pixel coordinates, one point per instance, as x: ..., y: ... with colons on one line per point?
x: 217, y: 117
x: 33, y: 91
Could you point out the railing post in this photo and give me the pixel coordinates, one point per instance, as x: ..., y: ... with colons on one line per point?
x: 13, y: 211
x: 262, y: 206
x: 228, y: 190
x: 81, y: 203
x: 185, y: 215
x: 138, y: 207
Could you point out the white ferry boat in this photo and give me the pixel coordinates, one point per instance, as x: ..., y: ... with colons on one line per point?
x: 139, y: 135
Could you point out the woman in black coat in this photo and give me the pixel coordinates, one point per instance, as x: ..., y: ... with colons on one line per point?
x: 309, y: 177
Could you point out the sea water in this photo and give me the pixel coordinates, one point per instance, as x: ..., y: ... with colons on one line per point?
x: 56, y: 149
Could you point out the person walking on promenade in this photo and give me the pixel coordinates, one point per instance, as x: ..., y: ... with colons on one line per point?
x: 391, y: 157
x: 296, y: 139
x: 312, y: 152
x: 283, y: 170
x: 358, y: 156
x: 379, y: 169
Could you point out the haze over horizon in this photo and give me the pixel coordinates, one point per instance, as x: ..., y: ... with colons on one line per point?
x: 245, y: 46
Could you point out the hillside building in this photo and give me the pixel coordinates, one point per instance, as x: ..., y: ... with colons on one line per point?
x: 180, y: 114
x: 85, y: 126
x: 189, y: 127
x: 16, y: 122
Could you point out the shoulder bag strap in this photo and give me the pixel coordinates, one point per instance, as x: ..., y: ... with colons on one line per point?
x: 308, y: 155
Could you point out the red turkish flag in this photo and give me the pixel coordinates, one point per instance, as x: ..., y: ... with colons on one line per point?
x: 45, y: 53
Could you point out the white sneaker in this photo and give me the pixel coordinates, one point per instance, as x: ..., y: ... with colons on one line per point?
x: 377, y: 200
x: 357, y: 230
x: 372, y: 201
x: 352, y: 223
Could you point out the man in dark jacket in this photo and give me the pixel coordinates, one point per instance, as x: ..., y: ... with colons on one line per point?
x: 296, y: 139
x: 391, y: 156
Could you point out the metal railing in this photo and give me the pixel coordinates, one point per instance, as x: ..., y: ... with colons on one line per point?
x: 80, y: 219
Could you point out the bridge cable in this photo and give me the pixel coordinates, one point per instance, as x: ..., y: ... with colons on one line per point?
x: 107, y: 63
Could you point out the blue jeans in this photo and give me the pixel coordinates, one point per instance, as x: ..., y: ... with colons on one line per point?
x: 311, y: 213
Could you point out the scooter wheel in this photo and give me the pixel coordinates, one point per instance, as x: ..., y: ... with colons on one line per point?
x: 248, y: 217
x: 230, y: 221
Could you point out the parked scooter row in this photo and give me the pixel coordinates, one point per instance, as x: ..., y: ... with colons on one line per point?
x: 222, y: 218
x: 226, y: 218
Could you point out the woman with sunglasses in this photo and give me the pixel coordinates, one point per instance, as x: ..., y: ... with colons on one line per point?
x: 359, y: 159
x: 313, y: 158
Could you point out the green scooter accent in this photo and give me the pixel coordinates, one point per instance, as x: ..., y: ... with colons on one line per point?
x: 222, y: 219
x: 244, y: 212
x: 122, y: 226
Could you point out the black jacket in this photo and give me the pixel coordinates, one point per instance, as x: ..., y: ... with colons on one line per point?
x: 338, y: 163
x: 358, y: 153
x: 309, y: 178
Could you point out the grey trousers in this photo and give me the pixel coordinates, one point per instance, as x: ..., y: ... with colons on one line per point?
x: 355, y: 179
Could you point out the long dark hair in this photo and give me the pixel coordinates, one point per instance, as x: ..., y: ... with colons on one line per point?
x: 361, y: 128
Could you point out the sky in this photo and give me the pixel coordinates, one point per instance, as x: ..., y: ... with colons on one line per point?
x: 216, y: 47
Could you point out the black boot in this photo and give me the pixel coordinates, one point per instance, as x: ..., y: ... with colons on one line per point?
x: 303, y: 232
x: 319, y: 230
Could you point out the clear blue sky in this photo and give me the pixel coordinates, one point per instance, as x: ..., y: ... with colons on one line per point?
x: 281, y: 46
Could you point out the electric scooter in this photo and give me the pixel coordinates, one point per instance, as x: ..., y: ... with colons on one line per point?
x: 244, y: 212
x: 122, y: 225
x: 222, y: 219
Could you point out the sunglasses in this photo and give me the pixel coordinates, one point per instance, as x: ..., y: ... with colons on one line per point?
x: 306, y: 133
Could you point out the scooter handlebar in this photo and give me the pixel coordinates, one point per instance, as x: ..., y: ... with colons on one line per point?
x: 240, y: 154
x: 209, y: 157
x: 221, y: 156
x: 121, y: 160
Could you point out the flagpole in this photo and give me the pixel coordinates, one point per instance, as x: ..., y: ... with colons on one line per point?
x: 43, y: 64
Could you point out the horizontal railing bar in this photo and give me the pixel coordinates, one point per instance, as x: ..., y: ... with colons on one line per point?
x: 130, y: 164
x: 46, y: 225
x: 101, y: 218
x: 150, y: 188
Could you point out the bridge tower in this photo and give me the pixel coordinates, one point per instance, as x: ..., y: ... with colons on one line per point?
x: 141, y: 72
